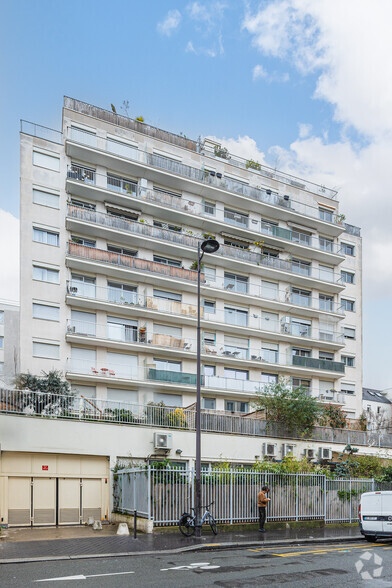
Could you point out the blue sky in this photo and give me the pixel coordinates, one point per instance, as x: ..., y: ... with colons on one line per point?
x: 295, y: 83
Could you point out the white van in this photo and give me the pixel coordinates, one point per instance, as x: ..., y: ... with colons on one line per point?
x: 375, y: 515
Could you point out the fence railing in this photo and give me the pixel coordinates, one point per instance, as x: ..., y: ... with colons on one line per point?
x: 37, y: 404
x: 30, y: 128
x: 162, y: 495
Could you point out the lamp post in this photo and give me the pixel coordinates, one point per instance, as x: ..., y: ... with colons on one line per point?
x: 207, y: 246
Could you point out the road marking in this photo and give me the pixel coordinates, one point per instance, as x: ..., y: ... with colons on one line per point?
x: 194, y: 566
x: 81, y: 577
x: 319, y: 551
x: 211, y: 544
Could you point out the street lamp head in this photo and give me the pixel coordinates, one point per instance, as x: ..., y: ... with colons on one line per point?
x: 210, y: 246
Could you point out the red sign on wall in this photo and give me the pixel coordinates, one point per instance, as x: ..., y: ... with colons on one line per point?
x: 45, y: 468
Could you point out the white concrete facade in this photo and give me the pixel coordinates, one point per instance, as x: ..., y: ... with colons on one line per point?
x: 110, y: 215
x: 9, y: 342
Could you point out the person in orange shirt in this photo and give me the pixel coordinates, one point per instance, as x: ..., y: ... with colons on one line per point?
x: 262, y: 501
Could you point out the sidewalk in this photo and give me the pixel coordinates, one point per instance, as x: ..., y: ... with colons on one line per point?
x: 39, y: 544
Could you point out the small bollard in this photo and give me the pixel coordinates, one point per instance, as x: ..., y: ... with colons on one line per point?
x: 134, y: 523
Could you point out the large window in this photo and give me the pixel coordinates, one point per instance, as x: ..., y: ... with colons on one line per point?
x: 299, y: 352
x: 236, y: 347
x: 121, y: 185
x: 209, y: 403
x: 167, y: 261
x: 168, y: 399
x: 82, y: 286
x: 301, y: 327
x: 44, y: 274
x: 83, y: 323
x: 236, y: 283
x: 301, y: 267
x: 209, y: 306
x: 122, y: 250
x: 301, y: 383
x: 236, y: 374
x: 267, y: 378
x: 167, y: 295
x: 46, y: 350
x: 236, y: 406
x: 233, y: 217
x: 122, y: 149
x: 300, y: 297
x: 123, y: 365
x: 83, y: 241
x: 236, y: 316
x: 46, y: 237
x: 46, y: 198
x: 82, y: 204
x: 326, y: 244
x: 83, y: 361
x: 165, y: 364
x: 122, y: 329
x: 347, y: 277
x: 325, y: 302
x: 270, y: 352
x: 325, y: 214
x: 168, y: 226
x: 45, y: 160
x: 209, y: 208
x: 326, y: 355
x: 122, y: 293
x: 326, y: 273
x: 269, y: 290
x: 46, y: 312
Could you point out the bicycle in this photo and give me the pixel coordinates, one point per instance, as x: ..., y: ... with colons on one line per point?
x: 187, y: 522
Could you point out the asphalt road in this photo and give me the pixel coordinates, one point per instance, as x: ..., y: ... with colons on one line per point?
x: 314, y: 565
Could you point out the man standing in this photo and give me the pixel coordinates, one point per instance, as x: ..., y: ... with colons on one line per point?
x: 262, y: 502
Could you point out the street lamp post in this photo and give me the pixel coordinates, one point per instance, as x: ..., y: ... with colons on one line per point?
x: 207, y: 246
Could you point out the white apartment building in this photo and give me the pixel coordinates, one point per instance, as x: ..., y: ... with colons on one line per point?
x: 9, y: 342
x: 112, y: 210
x: 111, y: 213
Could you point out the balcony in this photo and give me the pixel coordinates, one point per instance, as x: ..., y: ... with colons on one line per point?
x: 172, y: 377
x: 295, y: 268
x: 288, y: 207
x: 318, y: 364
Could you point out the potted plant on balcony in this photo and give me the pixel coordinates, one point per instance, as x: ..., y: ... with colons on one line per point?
x: 221, y: 152
x: 253, y: 165
x: 194, y: 266
x: 208, y: 236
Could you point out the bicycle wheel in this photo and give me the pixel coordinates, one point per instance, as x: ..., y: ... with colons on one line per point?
x: 213, y: 525
x: 187, y: 525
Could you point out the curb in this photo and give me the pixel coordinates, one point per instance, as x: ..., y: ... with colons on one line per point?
x: 201, y: 547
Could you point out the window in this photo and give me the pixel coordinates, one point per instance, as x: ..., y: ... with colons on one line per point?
x: 209, y: 306
x: 326, y: 244
x: 300, y: 297
x: 236, y: 374
x: 167, y: 261
x: 210, y: 274
x: 44, y: 160
x: 325, y: 214
x: 209, y: 208
x: 44, y: 274
x: 326, y: 331
x: 1, y: 342
x: 270, y: 352
x: 83, y: 361
x: 116, y: 395
x: 348, y: 360
x: 83, y: 136
x: 209, y: 338
x: 348, y: 249
x: 301, y: 327
x: 236, y: 218
x: 348, y: 305
x: 122, y: 293
x: 297, y: 237
x: 121, y: 148
x: 121, y: 185
x: 347, y: 388
x: 46, y: 350
x: 236, y: 347
x: 326, y: 355
x: 46, y: 198
x: 86, y: 391
x: 325, y: 302
x: 209, y: 370
x: 300, y: 383
x: 46, y: 237
x: 326, y: 273
x: 46, y: 312
x: 121, y: 329
x: 236, y: 283
x: 301, y: 267
x: 236, y: 316
x: 123, y: 365
x: 209, y: 403
x: 233, y: 406
x: 81, y: 173
x: 122, y: 250
x: 269, y: 321
x: 238, y: 244
x: 1, y: 368
x: 167, y: 295
x: 175, y: 332
x: 165, y: 364
x: 83, y: 241
x: 269, y: 227
x: 82, y: 286
x: 82, y: 204
x: 168, y: 226
x: 269, y: 290
x: 267, y: 378
x: 1, y: 317
x: 347, y: 277
x: 82, y: 323
x: 166, y: 191
x: 348, y: 332
x: 168, y: 399
x: 298, y: 352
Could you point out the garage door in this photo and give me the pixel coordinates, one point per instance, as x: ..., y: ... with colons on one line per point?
x: 44, y: 501
x: 69, y: 501
x: 19, y: 501
x: 91, y: 499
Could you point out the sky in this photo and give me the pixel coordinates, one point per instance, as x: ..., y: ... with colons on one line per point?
x: 302, y: 85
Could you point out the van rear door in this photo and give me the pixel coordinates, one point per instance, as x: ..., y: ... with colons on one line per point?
x: 386, y: 502
x: 371, y: 512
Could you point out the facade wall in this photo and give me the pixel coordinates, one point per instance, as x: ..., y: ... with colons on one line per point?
x: 9, y: 336
x: 90, y: 146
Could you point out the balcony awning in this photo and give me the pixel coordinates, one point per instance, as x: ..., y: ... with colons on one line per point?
x: 298, y: 227
x: 236, y: 237
x: 129, y: 211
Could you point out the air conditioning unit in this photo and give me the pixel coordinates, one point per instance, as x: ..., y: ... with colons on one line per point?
x: 269, y: 449
x: 325, y: 453
x: 163, y: 440
x: 288, y: 449
x: 310, y: 453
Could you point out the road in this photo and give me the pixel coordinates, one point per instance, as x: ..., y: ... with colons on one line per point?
x: 350, y: 564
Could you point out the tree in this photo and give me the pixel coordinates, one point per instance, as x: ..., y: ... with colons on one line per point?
x: 45, y: 395
x: 333, y: 416
x: 294, y: 409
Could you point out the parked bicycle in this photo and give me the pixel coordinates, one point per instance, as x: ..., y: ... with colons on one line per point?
x: 187, y: 521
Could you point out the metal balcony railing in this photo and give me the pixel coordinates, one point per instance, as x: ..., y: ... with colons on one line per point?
x: 259, y: 259
x: 211, y: 178
x: 318, y: 364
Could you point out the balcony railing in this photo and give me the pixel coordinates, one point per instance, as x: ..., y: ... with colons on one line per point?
x: 134, y: 227
x: 121, y: 260
x: 211, y: 178
x: 318, y: 364
x: 52, y: 135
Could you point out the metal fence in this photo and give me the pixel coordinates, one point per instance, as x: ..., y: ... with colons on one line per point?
x: 162, y: 495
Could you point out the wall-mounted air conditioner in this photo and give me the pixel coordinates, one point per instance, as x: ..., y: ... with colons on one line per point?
x: 325, y: 453
x: 310, y: 453
x: 288, y: 449
x: 163, y: 440
x: 269, y: 449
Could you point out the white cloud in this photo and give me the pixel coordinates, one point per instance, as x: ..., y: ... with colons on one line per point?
x: 9, y: 243
x: 304, y: 130
x: 170, y: 23
x: 258, y: 72
x: 190, y: 48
